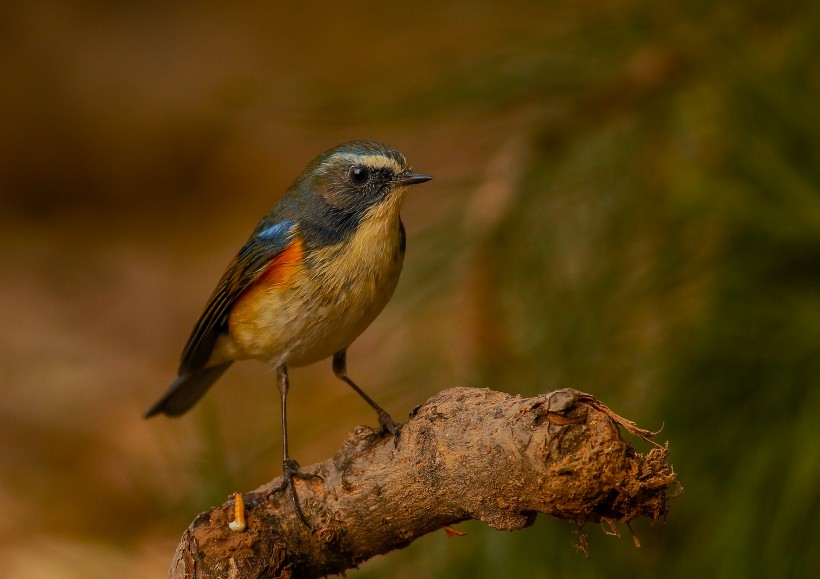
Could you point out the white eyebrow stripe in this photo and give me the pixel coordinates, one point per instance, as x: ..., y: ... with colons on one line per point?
x: 375, y: 162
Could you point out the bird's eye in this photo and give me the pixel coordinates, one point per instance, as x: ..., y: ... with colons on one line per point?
x: 359, y: 175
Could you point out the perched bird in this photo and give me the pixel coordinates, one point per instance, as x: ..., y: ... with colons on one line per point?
x: 317, y: 270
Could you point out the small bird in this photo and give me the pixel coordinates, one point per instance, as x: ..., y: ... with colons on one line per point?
x: 317, y: 270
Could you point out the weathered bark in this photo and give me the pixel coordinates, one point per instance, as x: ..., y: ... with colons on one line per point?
x: 465, y: 454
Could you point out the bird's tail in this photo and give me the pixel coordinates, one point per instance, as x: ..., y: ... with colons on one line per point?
x: 186, y: 390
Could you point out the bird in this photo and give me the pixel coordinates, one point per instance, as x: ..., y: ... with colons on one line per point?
x: 316, y: 271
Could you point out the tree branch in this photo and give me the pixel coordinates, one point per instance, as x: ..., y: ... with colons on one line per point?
x: 465, y: 454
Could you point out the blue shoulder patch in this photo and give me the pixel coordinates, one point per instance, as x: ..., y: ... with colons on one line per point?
x: 276, y: 231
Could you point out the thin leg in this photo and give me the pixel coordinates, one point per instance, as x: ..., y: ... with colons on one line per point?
x: 290, y: 468
x: 340, y: 369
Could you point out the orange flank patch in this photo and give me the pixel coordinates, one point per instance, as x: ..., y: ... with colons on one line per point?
x: 282, y: 267
x: 277, y: 275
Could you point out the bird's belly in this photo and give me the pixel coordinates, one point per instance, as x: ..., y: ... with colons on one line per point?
x: 312, y: 317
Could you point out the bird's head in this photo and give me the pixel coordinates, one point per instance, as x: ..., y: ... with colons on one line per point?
x: 359, y: 177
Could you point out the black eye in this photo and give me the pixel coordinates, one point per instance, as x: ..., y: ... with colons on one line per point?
x: 359, y: 175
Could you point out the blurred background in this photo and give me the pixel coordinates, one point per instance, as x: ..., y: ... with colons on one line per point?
x: 626, y: 202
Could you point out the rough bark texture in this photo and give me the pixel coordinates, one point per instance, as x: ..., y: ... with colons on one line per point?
x: 465, y: 454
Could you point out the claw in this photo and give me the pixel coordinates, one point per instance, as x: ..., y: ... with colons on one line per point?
x: 290, y: 470
x: 389, y: 425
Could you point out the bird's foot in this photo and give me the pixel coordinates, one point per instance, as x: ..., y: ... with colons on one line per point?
x: 389, y: 425
x: 290, y: 470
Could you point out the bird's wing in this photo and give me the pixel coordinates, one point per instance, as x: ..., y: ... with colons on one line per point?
x: 268, y: 241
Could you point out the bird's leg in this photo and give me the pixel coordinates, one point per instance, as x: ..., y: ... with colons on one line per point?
x: 340, y: 369
x: 290, y: 468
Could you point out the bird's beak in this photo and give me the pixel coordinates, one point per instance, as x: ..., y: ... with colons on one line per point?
x: 410, y: 178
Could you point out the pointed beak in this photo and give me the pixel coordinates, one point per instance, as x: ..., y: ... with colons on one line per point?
x: 410, y: 178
